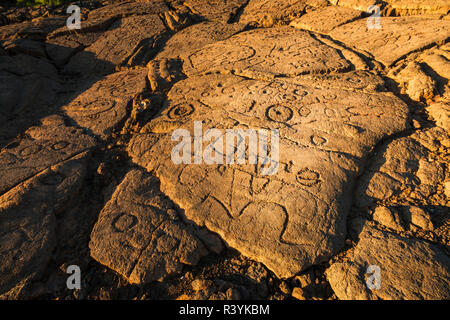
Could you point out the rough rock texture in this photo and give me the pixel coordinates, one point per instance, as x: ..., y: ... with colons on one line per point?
x: 413, y: 7
x: 325, y: 19
x: 440, y: 112
x: 42, y: 176
x: 419, y: 86
x: 361, y: 5
x: 323, y: 133
x: 197, y: 36
x: 43, y: 147
x: 29, y: 87
x: 416, y: 163
x: 409, y: 269
x: 33, y: 30
x: 396, y: 38
x: 253, y: 54
x: 139, y: 234
x: 90, y: 157
x: 120, y: 45
x: 104, y: 105
x: 267, y: 13
x: 220, y: 10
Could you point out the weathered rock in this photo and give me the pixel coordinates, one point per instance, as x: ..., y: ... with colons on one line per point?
x: 27, y: 221
x: 29, y: 87
x: 254, y: 54
x: 418, y: 85
x: 361, y: 5
x: 439, y: 62
x: 43, y: 147
x: 352, y: 81
x: 136, y: 237
x: 409, y: 269
x: 197, y: 36
x: 126, y: 9
x: 387, y: 217
x: 418, y: 218
x: 266, y: 13
x: 104, y: 105
x: 166, y: 67
x: 396, y: 38
x: 301, y: 209
x: 220, y: 10
x: 62, y: 43
x: 325, y: 19
x: 25, y: 46
x: 414, y: 7
x: 440, y: 112
x: 62, y: 47
x: 130, y: 41
x: 34, y: 30
x: 405, y: 164
x: 316, y: 86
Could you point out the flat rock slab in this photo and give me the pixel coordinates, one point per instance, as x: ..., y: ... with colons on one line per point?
x: 396, y: 38
x: 266, y: 53
x: 62, y: 43
x: 128, y: 8
x: 220, y: 10
x: 295, y: 217
x: 37, y: 29
x: 126, y: 37
x: 104, y: 105
x: 197, y: 36
x: 410, y: 269
x: 440, y: 112
x: 29, y: 88
x: 43, y: 146
x: 325, y: 19
x: 139, y: 235
x: 266, y: 13
x: 27, y: 220
x: 165, y: 68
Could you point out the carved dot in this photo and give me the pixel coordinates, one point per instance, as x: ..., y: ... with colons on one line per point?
x: 265, y: 91
x: 181, y: 111
x: 329, y: 96
x: 30, y: 150
x: 125, y: 222
x: 308, y: 177
x: 279, y: 113
x: 60, y: 145
x: 304, y: 111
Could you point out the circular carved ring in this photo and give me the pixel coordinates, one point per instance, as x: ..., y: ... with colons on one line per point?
x: 180, y: 111
x: 279, y: 113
